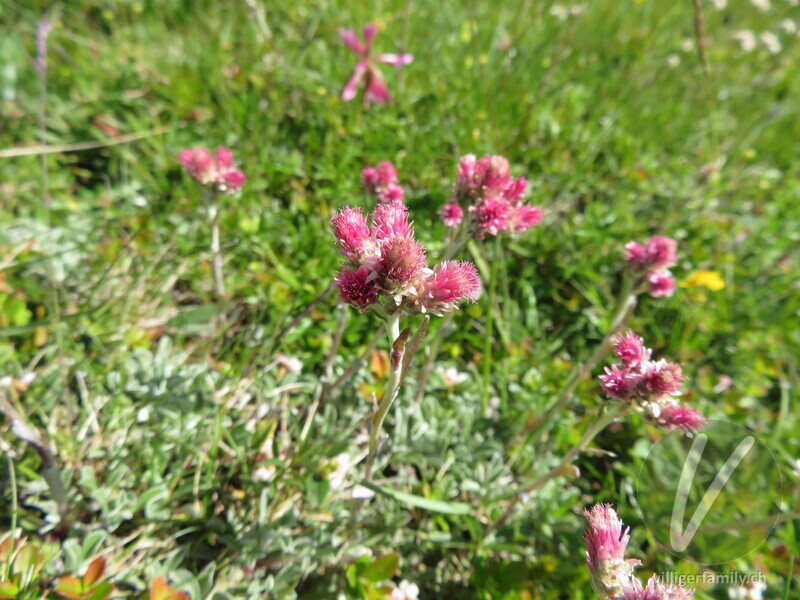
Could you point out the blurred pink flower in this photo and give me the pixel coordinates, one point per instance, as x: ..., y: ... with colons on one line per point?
x: 216, y: 170
x: 662, y: 252
x: 654, y: 590
x: 660, y: 283
x: 659, y: 252
x: 451, y: 214
x: 486, y: 190
x: 630, y: 349
x: 366, y: 70
x: 651, y: 386
x: 674, y: 416
x: 382, y: 182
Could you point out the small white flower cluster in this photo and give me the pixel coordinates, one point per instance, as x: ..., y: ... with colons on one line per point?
x: 562, y: 13
x: 748, y: 41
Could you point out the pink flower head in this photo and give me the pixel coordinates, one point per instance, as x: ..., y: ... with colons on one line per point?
x: 491, y: 215
x: 635, y: 254
x: 662, y: 252
x: 630, y: 349
x: 390, y: 220
x: 612, y: 574
x: 660, y: 283
x: 652, y: 386
x: 213, y: 169
x: 232, y: 180
x: 382, y: 182
x: 199, y: 163
x: 392, y: 193
x: 493, y: 173
x: 662, y: 378
x: 402, y: 259
x: 606, y: 537
x: 366, y: 70
x: 655, y: 591
x: 351, y: 232
x: 452, y: 282
x: 523, y: 217
x: 606, y: 540
x: 675, y: 416
x: 618, y: 382
x: 357, y: 288
x: 452, y: 214
x: 465, y: 178
x: 492, y: 196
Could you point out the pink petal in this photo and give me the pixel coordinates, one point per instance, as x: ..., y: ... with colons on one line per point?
x: 369, y: 35
x: 224, y: 157
x: 396, y: 60
x: 376, y: 90
x: 351, y: 41
x: 232, y: 180
x: 351, y: 87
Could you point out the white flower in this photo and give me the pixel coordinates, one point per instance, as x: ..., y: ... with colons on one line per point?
x: 575, y: 10
x: 762, y: 5
x: 452, y: 376
x: 750, y: 591
x: 747, y: 40
x: 405, y: 591
x: 788, y: 26
x: 771, y: 41
x: 290, y: 363
x: 342, y: 465
x: 720, y: 4
x: 264, y: 473
x: 793, y: 2
x: 687, y: 45
x: 797, y: 468
x: 673, y: 60
x: 559, y: 11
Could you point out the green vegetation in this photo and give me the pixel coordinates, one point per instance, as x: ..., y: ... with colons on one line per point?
x: 177, y: 432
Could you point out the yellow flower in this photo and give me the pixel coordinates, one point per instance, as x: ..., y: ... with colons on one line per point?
x: 709, y: 279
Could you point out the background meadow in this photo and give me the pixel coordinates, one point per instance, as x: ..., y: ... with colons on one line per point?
x: 178, y: 434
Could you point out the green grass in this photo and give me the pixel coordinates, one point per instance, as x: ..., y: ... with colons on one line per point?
x: 159, y: 416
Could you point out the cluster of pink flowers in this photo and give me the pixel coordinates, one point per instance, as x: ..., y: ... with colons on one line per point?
x: 653, y: 260
x: 651, y: 385
x: 366, y: 70
x: 214, y: 170
x: 384, y: 259
x: 382, y: 183
x: 490, y: 197
x: 612, y: 574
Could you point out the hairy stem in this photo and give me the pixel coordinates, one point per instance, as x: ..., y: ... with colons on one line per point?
x: 392, y: 324
x: 216, y: 252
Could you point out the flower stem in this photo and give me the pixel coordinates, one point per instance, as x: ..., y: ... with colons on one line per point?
x: 624, y: 308
x: 216, y: 252
x: 392, y: 324
x: 600, y: 422
x: 487, y: 347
